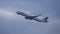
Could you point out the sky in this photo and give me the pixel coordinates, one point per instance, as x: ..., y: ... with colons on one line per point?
x: 11, y: 23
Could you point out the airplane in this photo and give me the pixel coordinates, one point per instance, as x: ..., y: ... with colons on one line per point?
x: 32, y: 17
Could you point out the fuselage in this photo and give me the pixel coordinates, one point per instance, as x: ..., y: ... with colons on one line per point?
x: 26, y: 16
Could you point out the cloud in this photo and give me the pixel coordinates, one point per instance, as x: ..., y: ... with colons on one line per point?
x: 6, y: 13
x: 18, y: 25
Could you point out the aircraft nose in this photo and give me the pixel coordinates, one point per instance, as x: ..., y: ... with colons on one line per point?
x: 17, y: 12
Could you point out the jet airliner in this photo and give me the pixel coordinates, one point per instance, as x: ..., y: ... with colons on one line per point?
x: 32, y: 17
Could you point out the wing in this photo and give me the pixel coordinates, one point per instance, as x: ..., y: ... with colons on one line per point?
x: 32, y: 17
x: 21, y: 13
x: 39, y: 20
x: 36, y: 16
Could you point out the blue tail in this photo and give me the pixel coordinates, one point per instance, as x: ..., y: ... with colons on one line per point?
x: 45, y: 19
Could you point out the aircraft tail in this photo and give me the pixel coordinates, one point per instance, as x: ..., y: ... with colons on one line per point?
x: 45, y: 19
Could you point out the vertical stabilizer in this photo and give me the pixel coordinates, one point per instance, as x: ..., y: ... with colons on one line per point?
x: 45, y: 19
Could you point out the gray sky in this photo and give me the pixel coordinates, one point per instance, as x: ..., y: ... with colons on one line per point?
x: 10, y: 23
